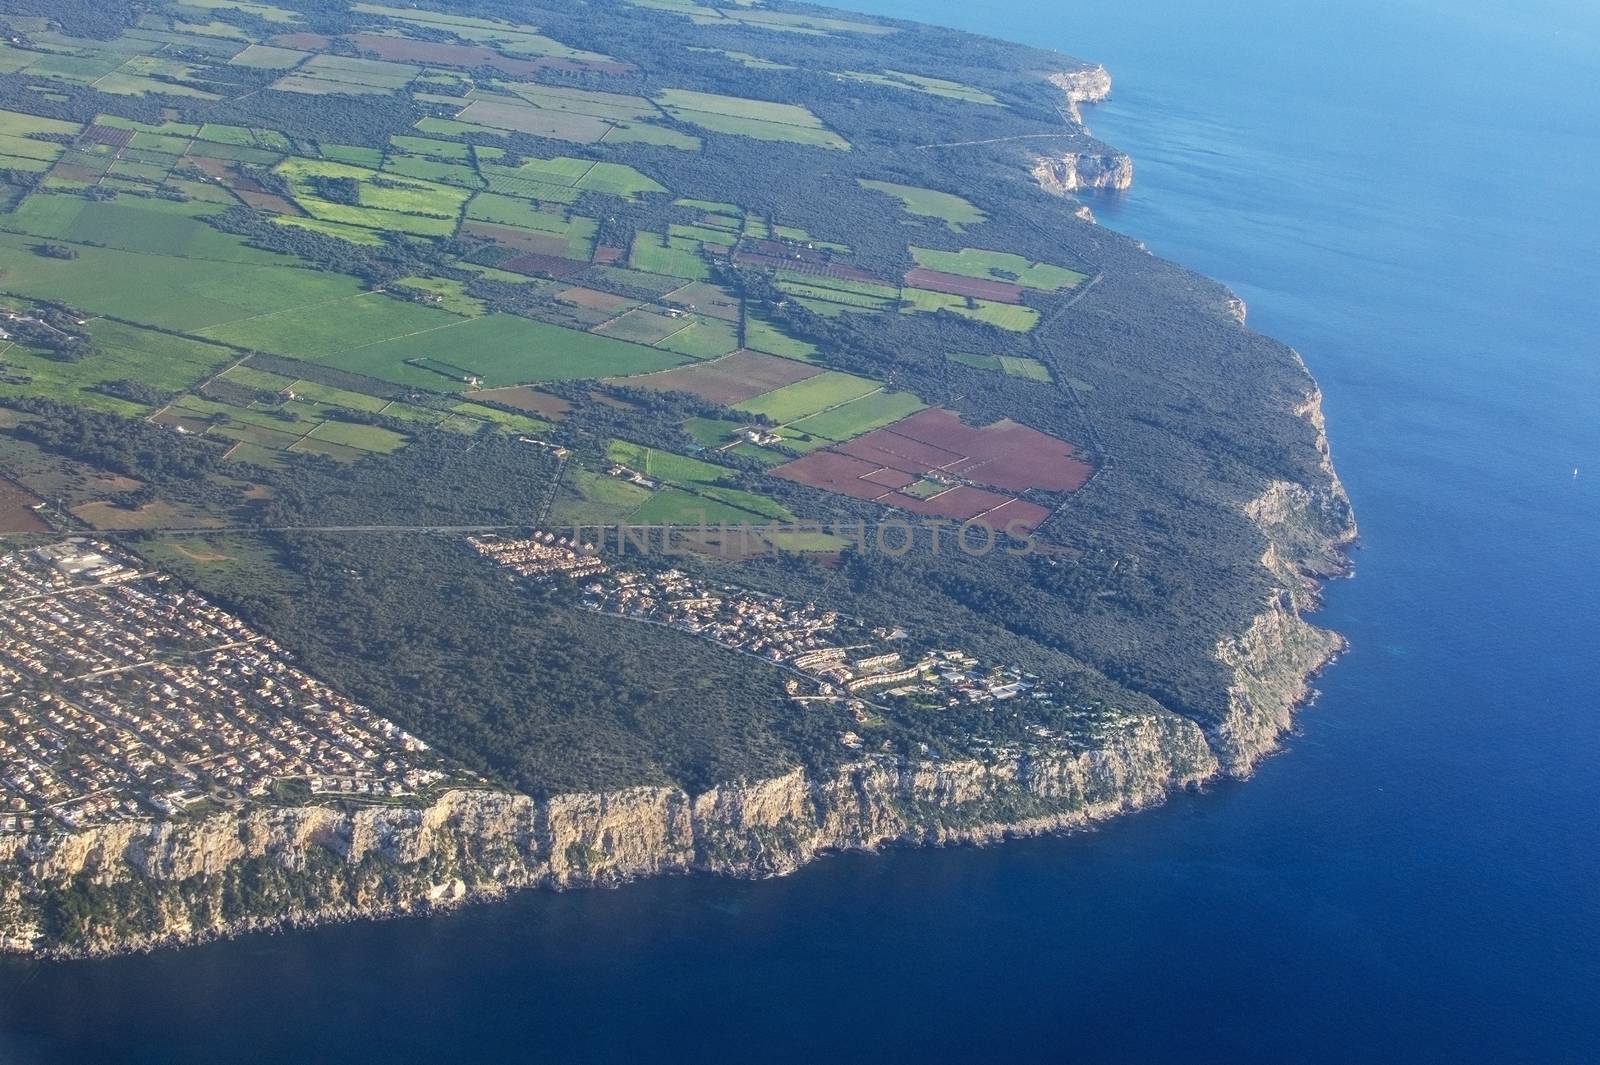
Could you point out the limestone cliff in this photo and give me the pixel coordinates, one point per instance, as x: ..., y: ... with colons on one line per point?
x: 139, y: 885
x: 1307, y: 528
x: 1086, y: 85
x: 1071, y: 171
x: 1098, y: 167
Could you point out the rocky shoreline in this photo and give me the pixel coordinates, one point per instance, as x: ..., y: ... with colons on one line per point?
x: 158, y: 884
x: 143, y: 885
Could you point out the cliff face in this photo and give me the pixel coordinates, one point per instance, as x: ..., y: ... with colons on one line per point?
x: 134, y: 886
x: 1098, y: 168
x: 1071, y: 171
x: 1086, y: 85
x: 1307, y: 528
x: 143, y: 884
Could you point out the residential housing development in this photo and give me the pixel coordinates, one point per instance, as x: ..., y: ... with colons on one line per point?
x: 125, y: 695
x: 831, y: 657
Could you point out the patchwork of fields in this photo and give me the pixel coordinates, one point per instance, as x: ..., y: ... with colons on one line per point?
x: 196, y: 248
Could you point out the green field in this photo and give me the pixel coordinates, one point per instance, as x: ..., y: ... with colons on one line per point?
x: 354, y: 234
x: 702, y: 234
x: 499, y: 349
x: 976, y: 362
x: 261, y: 11
x: 640, y: 326
x: 166, y: 291
x: 401, y: 204
x: 332, y: 326
x: 447, y: 173
x: 450, y: 151
x: 515, y: 423
x: 675, y: 506
x: 1017, y: 318
x: 510, y: 211
x: 449, y: 127
x: 859, y: 416
x: 354, y: 154
x: 758, y: 130
x: 740, y: 107
x: 1026, y: 368
x: 361, y: 437
x: 597, y: 499
x: 828, y: 389
x: 608, y: 105
x: 997, y: 266
x: 899, y: 79
x: 1011, y: 365
x: 838, y: 296
x: 951, y: 209
x: 564, y: 172
x: 374, y: 218
x: 140, y: 224
x: 761, y: 119
x: 645, y: 133
x: 701, y: 338
x: 711, y: 432
x: 707, y: 483
x: 762, y: 335
x: 121, y: 353
x: 648, y: 255
x: 450, y: 294
x: 666, y: 465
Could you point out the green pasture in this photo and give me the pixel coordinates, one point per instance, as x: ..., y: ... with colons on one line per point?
x: 828, y: 389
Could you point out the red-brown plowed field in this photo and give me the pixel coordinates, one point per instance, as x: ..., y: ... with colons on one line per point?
x: 815, y: 266
x: 834, y: 472
x: 608, y: 255
x: 520, y: 239
x: 524, y: 398
x: 884, y: 447
x: 266, y: 201
x: 957, y: 285
x: 730, y: 379
x: 596, y: 300
x: 891, y: 478
x: 16, y: 509
x: 1017, y: 514
x: 961, y: 503
x: 1005, y: 454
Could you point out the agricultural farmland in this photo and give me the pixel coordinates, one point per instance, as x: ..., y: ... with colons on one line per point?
x: 299, y: 295
x: 760, y: 119
x: 947, y: 207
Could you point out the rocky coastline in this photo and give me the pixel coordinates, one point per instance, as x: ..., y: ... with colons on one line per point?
x: 149, y: 884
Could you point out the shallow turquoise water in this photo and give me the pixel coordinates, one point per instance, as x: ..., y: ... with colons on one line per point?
x: 1404, y: 192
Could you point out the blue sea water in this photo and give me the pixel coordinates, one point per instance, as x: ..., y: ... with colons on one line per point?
x: 1403, y: 190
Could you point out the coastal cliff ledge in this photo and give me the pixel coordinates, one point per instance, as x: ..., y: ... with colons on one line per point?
x: 1095, y: 168
x: 141, y: 885
x: 137, y: 886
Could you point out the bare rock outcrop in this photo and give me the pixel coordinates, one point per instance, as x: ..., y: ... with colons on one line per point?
x: 1071, y: 171
x: 139, y: 885
x: 1307, y: 528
